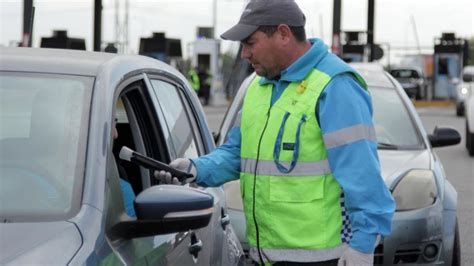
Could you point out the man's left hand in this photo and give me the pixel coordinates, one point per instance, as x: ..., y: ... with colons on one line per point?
x: 352, y: 257
x: 182, y: 164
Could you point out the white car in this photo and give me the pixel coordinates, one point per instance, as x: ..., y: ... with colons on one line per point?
x: 469, y: 113
x: 424, y: 227
x: 464, y: 89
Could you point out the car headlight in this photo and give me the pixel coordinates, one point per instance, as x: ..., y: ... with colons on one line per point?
x: 464, y: 90
x: 415, y: 190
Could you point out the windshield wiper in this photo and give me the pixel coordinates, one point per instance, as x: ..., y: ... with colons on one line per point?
x: 387, y: 146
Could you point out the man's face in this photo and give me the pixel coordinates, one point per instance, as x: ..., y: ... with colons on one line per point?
x: 262, y: 53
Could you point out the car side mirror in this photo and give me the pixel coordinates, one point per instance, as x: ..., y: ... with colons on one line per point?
x: 165, y: 209
x: 444, y: 136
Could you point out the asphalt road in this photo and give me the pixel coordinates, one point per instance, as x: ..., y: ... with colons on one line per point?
x: 456, y: 161
x: 459, y: 168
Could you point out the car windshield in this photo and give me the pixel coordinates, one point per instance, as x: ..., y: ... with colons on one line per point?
x: 404, y: 73
x: 43, y: 128
x: 393, y: 125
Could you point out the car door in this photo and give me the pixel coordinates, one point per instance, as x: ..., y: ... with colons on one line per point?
x: 138, y: 117
x: 186, y: 136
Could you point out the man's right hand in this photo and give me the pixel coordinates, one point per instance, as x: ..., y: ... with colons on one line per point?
x: 182, y: 164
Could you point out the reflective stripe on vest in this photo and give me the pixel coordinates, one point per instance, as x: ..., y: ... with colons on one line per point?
x: 300, y: 255
x: 269, y: 168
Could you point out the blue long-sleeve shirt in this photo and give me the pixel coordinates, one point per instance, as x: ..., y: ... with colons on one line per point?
x: 128, y: 197
x: 355, y: 165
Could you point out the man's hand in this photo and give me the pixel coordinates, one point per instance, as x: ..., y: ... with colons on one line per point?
x: 352, y: 257
x: 182, y: 164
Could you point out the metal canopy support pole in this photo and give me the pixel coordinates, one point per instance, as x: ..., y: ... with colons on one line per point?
x: 27, y: 29
x: 336, y: 28
x: 370, y: 28
x: 97, y: 24
x: 214, y: 18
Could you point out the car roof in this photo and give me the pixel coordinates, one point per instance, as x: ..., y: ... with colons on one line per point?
x: 468, y: 69
x: 74, y: 62
x: 52, y: 60
x: 373, y: 74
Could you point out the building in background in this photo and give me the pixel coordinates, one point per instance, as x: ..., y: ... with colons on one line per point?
x: 162, y: 48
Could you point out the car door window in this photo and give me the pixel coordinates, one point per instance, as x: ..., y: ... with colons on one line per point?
x: 182, y: 133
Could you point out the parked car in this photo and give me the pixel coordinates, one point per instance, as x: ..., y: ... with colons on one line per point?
x: 469, y: 113
x: 464, y: 89
x: 425, y: 228
x: 412, y: 80
x: 61, y: 201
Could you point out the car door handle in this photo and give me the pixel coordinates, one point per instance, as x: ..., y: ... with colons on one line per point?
x: 195, y: 246
x: 225, y: 220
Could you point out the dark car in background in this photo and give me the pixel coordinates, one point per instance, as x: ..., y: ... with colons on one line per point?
x: 424, y: 228
x: 412, y: 80
x: 60, y: 192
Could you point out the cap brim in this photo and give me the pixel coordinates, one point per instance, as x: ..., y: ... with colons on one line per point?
x: 239, y: 32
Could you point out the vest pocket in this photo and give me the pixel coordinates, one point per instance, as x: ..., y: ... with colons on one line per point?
x: 296, y: 189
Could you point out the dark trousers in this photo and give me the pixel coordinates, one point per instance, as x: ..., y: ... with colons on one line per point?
x: 320, y: 263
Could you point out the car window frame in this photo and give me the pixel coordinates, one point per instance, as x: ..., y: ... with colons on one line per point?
x: 190, y: 112
x: 143, y: 147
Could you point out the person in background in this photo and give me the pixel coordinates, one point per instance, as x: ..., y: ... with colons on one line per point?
x: 194, y: 80
x: 126, y: 187
x: 205, y: 80
x: 304, y: 148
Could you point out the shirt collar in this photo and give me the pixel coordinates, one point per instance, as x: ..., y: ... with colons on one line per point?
x: 299, y: 69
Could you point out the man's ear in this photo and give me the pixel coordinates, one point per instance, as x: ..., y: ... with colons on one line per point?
x: 284, y: 32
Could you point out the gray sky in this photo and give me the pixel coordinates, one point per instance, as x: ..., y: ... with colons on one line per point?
x: 179, y: 18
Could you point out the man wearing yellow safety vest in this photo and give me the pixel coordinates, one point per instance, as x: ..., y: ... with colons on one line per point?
x: 205, y: 80
x: 194, y: 79
x: 304, y: 148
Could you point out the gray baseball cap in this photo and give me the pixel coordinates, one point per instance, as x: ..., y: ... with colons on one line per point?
x: 265, y: 13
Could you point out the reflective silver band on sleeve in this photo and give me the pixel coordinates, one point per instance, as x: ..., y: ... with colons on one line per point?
x: 269, y: 168
x: 349, y: 135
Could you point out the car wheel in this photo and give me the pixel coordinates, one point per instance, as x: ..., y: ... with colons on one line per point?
x: 456, y: 247
x: 469, y: 140
x: 459, y: 110
x: 418, y: 93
